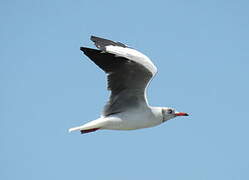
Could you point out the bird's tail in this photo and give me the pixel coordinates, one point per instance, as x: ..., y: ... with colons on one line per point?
x: 75, y: 128
x: 90, y: 126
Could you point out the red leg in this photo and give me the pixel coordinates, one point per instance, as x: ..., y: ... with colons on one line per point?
x: 88, y: 130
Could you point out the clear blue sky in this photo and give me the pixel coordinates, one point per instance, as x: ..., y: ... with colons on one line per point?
x: 48, y: 86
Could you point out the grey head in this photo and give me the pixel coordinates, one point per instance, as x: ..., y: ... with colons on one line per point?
x: 170, y: 113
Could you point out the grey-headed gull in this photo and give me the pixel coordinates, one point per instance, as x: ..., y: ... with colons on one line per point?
x: 128, y: 75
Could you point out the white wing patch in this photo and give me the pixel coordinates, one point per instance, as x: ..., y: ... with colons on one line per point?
x: 133, y: 55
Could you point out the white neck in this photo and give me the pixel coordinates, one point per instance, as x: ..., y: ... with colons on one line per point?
x: 157, y: 111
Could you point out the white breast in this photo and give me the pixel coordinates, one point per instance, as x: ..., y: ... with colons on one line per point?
x: 134, y: 119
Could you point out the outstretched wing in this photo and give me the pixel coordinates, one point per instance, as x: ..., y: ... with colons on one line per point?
x: 128, y: 73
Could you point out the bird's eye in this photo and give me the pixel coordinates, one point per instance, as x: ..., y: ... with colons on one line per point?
x: 170, y: 111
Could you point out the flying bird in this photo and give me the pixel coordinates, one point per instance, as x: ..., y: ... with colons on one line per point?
x: 129, y: 73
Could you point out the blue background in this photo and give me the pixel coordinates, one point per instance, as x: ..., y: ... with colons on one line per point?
x: 48, y: 86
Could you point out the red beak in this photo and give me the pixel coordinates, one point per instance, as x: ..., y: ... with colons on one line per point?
x: 181, y: 114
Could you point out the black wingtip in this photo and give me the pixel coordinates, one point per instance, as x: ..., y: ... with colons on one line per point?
x: 85, y: 49
x: 82, y: 48
x: 95, y: 38
x: 89, y: 51
x: 92, y: 38
x: 101, y: 43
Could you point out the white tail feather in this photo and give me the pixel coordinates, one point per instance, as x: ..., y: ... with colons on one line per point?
x: 98, y: 123
x: 75, y: 128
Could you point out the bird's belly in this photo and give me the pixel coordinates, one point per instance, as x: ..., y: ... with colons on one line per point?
x: 131, y: 121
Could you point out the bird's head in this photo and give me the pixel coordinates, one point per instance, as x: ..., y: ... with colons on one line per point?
x: 169, y: 113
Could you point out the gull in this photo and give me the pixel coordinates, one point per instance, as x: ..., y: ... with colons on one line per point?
x: 129, y: 73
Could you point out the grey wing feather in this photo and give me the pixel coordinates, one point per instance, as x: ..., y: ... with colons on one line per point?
x: 123, y: 101
x: 127, y: 80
